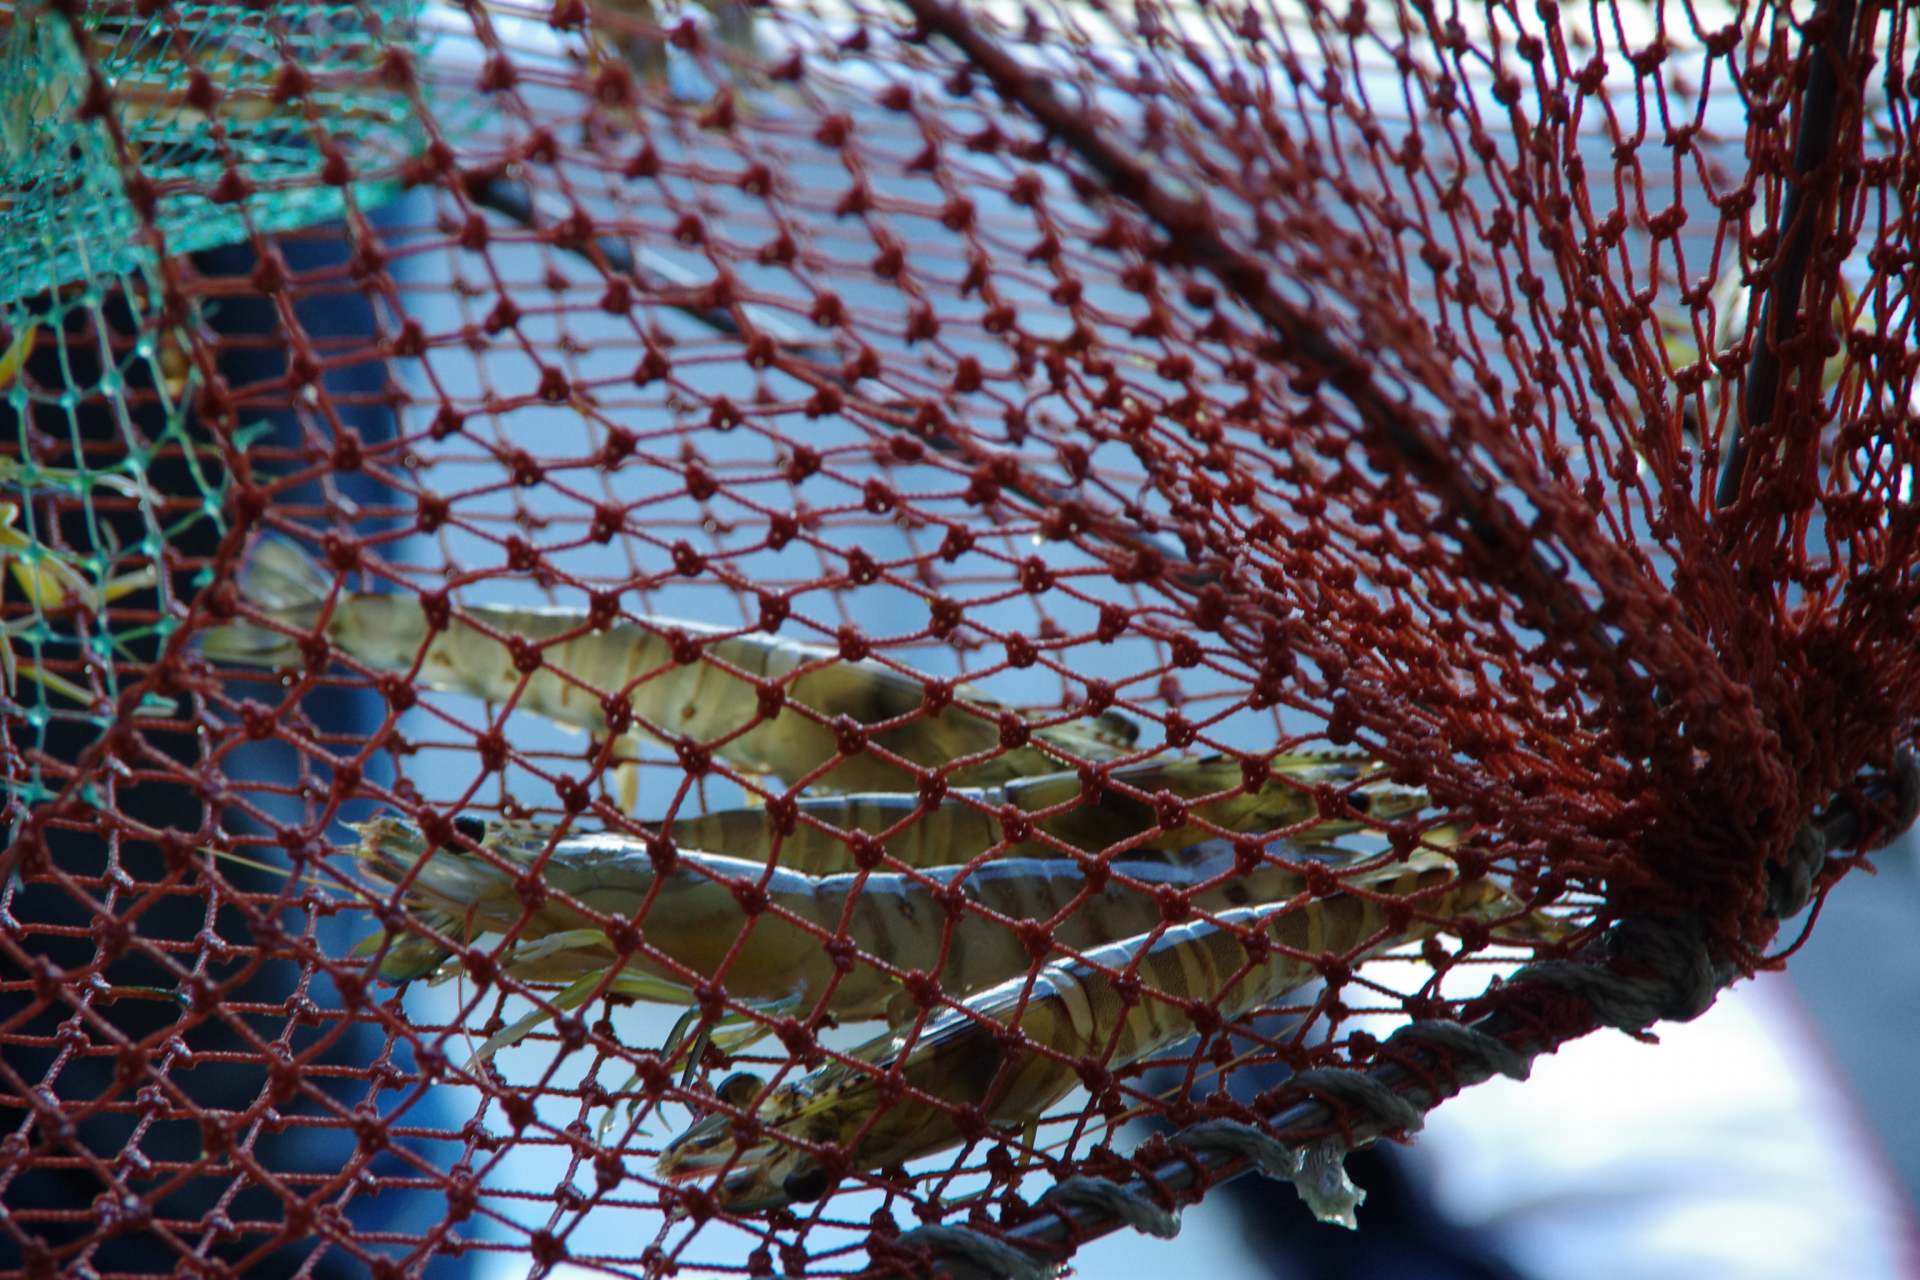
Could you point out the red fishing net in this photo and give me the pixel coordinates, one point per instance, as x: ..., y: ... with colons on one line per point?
x: 814, y: 625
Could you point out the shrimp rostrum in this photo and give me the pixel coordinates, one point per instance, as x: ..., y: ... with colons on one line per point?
x: 902, y: 1096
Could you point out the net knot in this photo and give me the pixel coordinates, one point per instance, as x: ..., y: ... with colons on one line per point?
x: 1359, y: 1091
x: 1273, y: 1158
x: 1317, y: 1172
x: 1464, y: 1045
x: 1906, y: 781
x: 1111, y: 1200
x: 979, y: 1253
x: 1677, y: 982
x: 1325, y: 1187
x: 1903, y: 779
x: 1790, y: 883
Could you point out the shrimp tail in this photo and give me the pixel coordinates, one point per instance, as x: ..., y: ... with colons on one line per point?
x: 770, y: 1174
x: 1116, y: 729
x: 447, y: 880
x: 408, y: 956
x: 447, y: 892
x: 283, y: 581
x: 281, y: 576
x: 1098, y: 737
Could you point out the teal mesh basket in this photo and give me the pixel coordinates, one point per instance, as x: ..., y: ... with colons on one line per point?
x: 87, y: 598
x: 221, y: 123
x: 236, y: 119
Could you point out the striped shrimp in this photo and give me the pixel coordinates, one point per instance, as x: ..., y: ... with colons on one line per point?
x: 902, y: 1095
x: 1035, y: 816
x: 764, y: 705
x: 694, y: 926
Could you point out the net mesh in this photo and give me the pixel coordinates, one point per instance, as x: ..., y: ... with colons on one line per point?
x: 233, y: 120
x: 800, y: 638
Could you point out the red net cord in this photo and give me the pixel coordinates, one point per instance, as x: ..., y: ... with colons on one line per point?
x: 842, y: 639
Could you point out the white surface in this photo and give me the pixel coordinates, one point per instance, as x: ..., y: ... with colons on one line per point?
x: 1726, y: 1150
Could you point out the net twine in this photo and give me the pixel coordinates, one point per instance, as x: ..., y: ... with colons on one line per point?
x: 1678, y: 976
x: 1692, y: 908
x: 1669, y: 976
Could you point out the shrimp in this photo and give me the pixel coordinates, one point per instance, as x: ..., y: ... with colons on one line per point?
x: 51, y: 580
x: 1129, y: 807
x: 633, y: 31
x: 967, y: 928
x: 798, y: 712
x: 901, y: 1096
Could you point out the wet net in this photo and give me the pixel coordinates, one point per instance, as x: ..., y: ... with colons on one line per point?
x: 836, y: 638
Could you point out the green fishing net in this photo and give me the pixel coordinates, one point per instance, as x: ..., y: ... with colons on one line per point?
x: 208, y: 125
x: 84, y: 532
x: 238, y: 118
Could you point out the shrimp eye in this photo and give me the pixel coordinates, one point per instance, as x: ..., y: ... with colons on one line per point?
x: 809, y: 1183
x: 739, y: 1089
x: 472, y: 828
